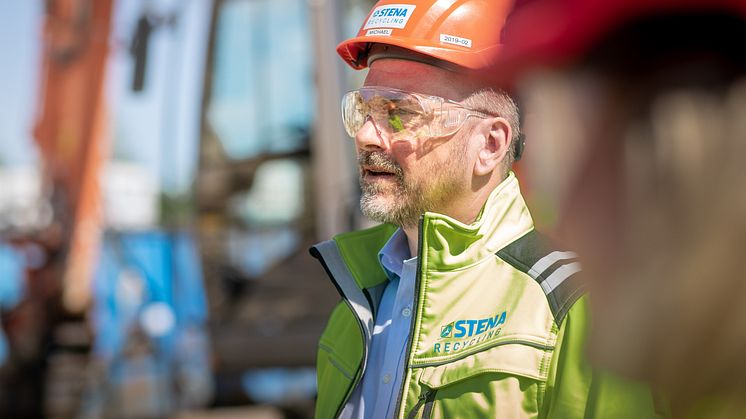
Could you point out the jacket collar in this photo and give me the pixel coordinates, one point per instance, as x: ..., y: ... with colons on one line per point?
x: 359, y: 250
x: 449, y: 244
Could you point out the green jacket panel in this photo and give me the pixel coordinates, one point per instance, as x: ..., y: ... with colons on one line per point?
x: 575, y: 390
x: 337, y: 365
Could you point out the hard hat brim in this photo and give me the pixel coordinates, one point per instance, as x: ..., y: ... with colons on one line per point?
x: 354, y: 52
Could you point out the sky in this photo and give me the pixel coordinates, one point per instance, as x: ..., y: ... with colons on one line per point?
x: 253, y: 106
x: 19, y: 58
x: 158, y: 128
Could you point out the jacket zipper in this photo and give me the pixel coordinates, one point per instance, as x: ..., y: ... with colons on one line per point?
x: 417, y: 282
x: 427, y: 413
x: 426, y: 399
x: 358, y: 374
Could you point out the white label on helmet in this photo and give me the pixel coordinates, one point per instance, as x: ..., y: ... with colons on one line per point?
x: 379, y: 32
x: 390, y: 16
x: 455, y: 40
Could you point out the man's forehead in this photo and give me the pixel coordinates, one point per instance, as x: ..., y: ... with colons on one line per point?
x: 418, y: 77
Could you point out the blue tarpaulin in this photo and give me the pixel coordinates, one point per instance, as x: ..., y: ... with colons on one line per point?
x: 12, y: 265
x: 137, y: 270
x: 148, y: 293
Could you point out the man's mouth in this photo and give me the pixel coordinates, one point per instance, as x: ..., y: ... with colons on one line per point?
x: 377, y: 172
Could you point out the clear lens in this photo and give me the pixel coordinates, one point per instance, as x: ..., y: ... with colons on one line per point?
x: 353, y: 114
x: 448, y: 120
x: 401, y: 115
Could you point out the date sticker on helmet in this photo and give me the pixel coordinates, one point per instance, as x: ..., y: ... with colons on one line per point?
x: 455, y: 40
x: 390, y: 16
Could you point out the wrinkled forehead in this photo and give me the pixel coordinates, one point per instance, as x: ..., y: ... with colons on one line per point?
x: 412, y: 76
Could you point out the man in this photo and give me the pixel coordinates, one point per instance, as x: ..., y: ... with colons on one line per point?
x: 644, y: 103
x: 454, y: 306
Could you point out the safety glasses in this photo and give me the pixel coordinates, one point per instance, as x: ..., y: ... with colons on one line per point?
x: 403, y: 115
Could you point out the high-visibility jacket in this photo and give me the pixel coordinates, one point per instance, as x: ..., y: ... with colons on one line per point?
x: 498, y: 325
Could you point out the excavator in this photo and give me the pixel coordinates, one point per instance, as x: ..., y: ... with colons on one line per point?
x: 69, y: 136
x: 251, y: 219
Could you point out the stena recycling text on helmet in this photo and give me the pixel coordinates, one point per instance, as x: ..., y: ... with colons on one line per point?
x: 390, y: 16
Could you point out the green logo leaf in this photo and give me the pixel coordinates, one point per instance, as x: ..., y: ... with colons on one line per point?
x: 445, y: 331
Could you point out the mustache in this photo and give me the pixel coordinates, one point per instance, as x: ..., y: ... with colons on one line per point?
x: 379, y: 159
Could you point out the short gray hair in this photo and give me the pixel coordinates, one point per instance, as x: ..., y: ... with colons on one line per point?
x: 499, y: 103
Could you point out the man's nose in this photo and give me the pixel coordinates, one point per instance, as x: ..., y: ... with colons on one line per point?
x: 370, y: 138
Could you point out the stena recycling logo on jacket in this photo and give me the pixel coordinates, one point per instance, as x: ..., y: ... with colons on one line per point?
x: 461, y: 334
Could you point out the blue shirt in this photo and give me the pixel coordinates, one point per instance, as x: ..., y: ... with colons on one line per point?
x: 376, y: 394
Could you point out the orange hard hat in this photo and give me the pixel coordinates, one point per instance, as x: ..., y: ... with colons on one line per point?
x: 461, y: 33
x: 554, y: 32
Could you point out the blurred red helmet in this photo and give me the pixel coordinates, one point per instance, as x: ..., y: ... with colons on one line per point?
x: 555, y: 32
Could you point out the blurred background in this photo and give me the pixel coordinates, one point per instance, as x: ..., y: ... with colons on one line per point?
x: 164, y: 167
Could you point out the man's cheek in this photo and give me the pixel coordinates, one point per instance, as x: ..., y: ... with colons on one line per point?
x: 402, y: 151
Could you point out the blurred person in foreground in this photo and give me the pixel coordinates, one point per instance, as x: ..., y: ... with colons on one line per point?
x: 639, y: 108
x: 454, y: 306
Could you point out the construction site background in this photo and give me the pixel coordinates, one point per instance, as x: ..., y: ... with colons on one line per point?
x: 165, y: 165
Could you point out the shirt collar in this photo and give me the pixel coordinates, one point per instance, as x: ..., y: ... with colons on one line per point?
x: 393, y: 254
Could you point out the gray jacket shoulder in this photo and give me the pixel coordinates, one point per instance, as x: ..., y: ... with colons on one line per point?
x: 556, y: 271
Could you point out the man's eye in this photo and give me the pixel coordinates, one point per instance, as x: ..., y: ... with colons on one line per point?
x: 404, y: 114
x: 401, y: 118
x: 396, y: 123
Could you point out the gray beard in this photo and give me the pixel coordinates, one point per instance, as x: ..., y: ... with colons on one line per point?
x: 401, y: 212
x: 410, y: 200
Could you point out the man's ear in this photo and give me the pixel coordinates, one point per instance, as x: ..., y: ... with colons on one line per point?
x: 495, y: 145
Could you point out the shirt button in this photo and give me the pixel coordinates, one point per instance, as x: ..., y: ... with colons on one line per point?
x: 386, y: 378
x: 406, y: 312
